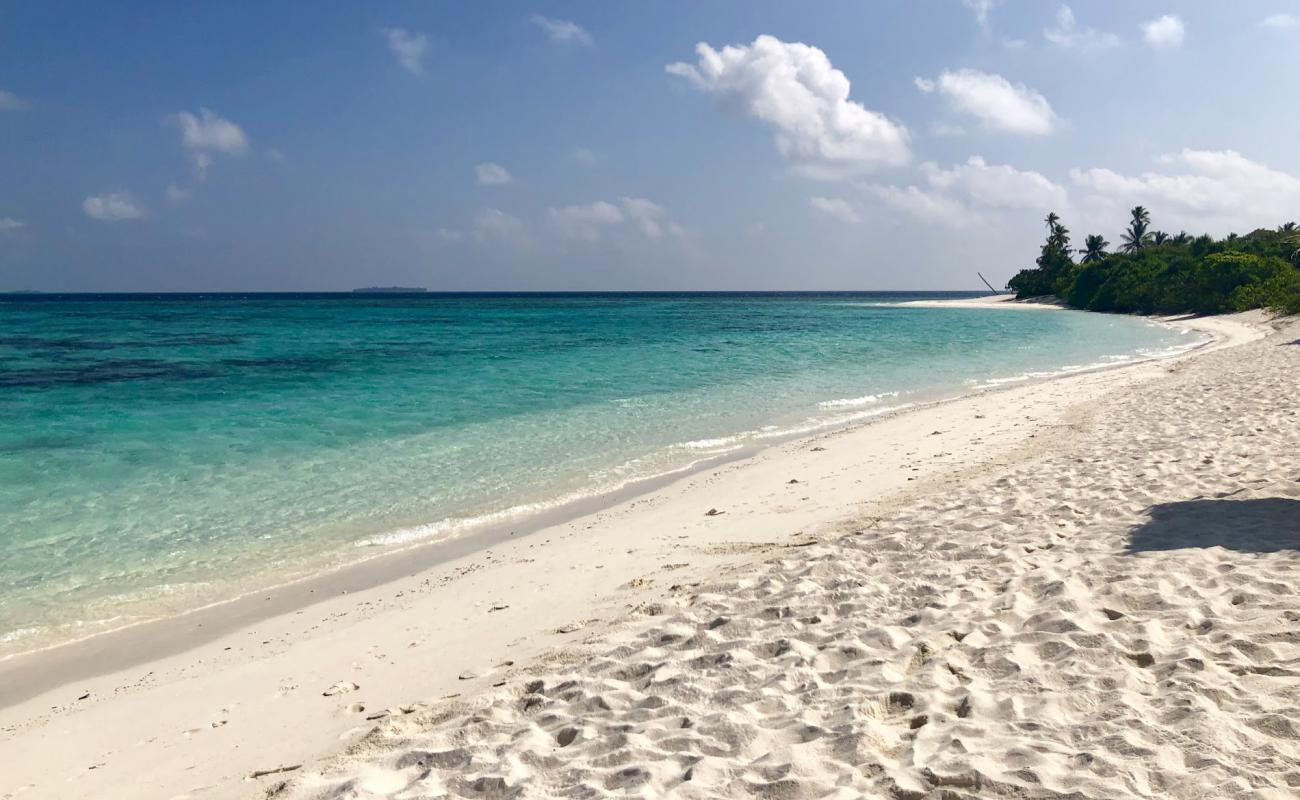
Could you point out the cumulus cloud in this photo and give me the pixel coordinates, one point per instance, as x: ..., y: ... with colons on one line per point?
x: 1214, y: 191
x: 11, y: 102
x: 1278, y: 22
x: 794, y: 89
x: 1165, y: 32
x: 963, y: 196
x: 835, y: 208
x: 562, y: 31
x: 409, y: 48
x: 1067, y: 33
x: 995, y: 101
x: 113, y: 207
x: 490, y: 174
x: 207, y: 133
x: 9, y: 224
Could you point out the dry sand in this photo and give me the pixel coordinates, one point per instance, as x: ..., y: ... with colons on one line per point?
x: 1084, y: 587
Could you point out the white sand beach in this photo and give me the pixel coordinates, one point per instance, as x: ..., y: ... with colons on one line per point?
x: 1083, y: 587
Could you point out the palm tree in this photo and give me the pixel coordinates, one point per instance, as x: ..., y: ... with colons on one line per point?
x: 1181, y: 239
x: 1160, y: 237
x: 1094, y: 248
x: 1137, y: 237
x: 1286, y: 227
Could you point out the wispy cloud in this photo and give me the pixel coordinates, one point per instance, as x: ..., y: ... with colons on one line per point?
x: 1165, y: 32
x: 794, y: 88
x: 562, y: 31
x: 1068, y: 33
x: 585, y: 156
x: 9, y: 224
x: 995, y: 101
x: 113, y: 207
x: 835, y: 208
x: 409, y: 48
x: 11, y: 102
x: 1281, y: 22
x: 490, y: 174
x: 981, y: 9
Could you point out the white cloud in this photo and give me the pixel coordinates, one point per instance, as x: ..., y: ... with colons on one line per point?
x: 11, y: 102
x: 208, y: 131
x: 928, y: 206
x: 649, y: 217
x: 619, y: 221
x: 206, y: 134
x: 8, y: 224
x: 490, y: 174
x: 999, y: 104
x: 1067, y: 33
x: 942, y: 129
x: 562, y: 31
x: 793, y: 88
x: 1281, y: 22
x: 492, y: 224
x: 836, y: 208
x: 1165, y: 32
x: 996, y: 185
x: 178, y: 193
x: 585, y: 156
x: 1214, y: 191
x: 981, y: 9
x: 964, y: 195
x: 409, y: 48
x: 448, y: 235
x: 113, y: 207
x: 584, y: 222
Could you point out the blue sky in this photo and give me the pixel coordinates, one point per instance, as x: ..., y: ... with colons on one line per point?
x: 599, y: 145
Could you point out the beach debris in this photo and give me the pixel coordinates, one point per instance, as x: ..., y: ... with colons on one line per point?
x: 85, y: 695
x: 342, y: 687
x: 713, y: 512
x: 818, y: 450
x: 793, y: 480
x: 500, y: 607
x: 467, y: 675
x: 262, y: 773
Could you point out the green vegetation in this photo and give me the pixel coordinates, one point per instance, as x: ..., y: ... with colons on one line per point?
x: 1158, y: 273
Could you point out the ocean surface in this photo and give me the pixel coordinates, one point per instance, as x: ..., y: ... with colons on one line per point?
x: 161, y: 452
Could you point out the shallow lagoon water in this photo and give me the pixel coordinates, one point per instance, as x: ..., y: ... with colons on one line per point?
x: 157, y: 451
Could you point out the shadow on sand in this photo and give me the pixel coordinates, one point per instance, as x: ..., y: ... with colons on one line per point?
x: 1267, y: 525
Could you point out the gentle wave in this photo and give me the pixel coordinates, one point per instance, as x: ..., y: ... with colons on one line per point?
x: 864, y: 400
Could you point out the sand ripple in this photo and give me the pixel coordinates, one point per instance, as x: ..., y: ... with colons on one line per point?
x: 1118, y: 619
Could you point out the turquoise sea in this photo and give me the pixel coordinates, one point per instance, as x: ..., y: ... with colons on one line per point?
x: 159, y: 452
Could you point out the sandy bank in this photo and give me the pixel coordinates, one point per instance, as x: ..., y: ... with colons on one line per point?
x: 278, y: 690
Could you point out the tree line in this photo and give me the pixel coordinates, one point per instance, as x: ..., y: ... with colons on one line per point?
x: 1154, y: 272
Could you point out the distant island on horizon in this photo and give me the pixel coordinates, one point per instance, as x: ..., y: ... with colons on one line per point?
x: 391, y: 290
